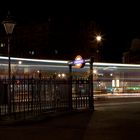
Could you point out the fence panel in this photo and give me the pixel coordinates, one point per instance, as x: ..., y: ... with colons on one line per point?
x: 31, y: 97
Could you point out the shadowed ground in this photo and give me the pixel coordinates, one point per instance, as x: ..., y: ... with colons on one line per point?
x: 109, y: 121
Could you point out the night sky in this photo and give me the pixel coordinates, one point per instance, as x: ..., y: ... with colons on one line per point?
x: 118, y: 22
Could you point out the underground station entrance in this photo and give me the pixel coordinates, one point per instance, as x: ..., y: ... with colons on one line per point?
x: 86, y: 83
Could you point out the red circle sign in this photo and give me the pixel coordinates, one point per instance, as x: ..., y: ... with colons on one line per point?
x: 78, y: 62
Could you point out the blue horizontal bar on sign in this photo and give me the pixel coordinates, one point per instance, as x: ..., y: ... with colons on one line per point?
x: 78, y: 62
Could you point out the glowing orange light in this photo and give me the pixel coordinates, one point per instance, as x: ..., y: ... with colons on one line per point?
x: 78, y: 61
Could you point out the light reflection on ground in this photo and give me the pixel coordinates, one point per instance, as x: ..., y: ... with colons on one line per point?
x: 118, y: 95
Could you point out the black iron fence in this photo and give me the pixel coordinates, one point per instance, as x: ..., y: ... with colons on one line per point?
x: 22, y: 98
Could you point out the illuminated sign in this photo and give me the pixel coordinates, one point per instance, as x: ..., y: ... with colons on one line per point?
x: 79, y: 62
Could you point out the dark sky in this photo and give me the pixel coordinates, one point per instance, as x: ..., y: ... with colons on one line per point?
x: 119, y: 22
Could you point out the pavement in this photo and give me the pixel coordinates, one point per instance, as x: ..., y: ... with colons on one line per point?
x: 109, y: 121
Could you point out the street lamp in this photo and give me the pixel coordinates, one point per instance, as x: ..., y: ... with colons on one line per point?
x: 9, y: 25
x: 98, y: 39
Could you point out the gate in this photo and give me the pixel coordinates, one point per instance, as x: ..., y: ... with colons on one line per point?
x: 80, y: 93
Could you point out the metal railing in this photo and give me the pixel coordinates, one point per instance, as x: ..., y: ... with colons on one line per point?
x: 31, y: 97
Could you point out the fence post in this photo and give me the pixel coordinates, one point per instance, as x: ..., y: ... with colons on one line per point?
x: 70, y: 86
x: 91, y: 100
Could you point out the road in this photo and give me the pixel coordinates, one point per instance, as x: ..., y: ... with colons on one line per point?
x: 113, y: 119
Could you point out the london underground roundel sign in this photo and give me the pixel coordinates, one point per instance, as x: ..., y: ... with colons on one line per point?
x: 79, y: 62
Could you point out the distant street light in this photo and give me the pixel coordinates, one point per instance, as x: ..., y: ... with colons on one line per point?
x: 9, y: 25
x: 98, y: 39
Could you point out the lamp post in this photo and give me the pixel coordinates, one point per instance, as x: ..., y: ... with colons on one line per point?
x: 98, y: 39
x: 9, y: 25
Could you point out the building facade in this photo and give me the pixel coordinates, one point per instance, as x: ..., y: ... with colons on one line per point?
x: 133, y: 54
